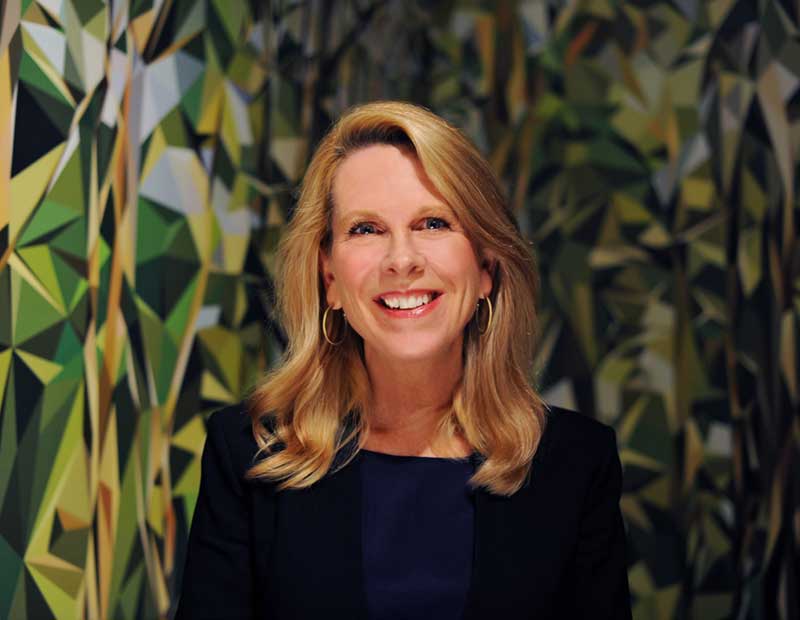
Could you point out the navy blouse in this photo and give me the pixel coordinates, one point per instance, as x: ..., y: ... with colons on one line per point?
x: 418, y: 533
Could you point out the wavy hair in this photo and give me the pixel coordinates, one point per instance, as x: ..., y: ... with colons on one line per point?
x: 309, y: 407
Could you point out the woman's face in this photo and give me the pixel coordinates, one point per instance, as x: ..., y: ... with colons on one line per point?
x: 400, y: 266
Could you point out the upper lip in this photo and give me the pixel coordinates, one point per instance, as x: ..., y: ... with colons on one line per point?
x: 408, y: 293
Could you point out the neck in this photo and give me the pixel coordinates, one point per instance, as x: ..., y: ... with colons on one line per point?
x: 408, y: 400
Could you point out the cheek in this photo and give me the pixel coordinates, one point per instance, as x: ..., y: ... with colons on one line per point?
x: 456, y: 262
x: 354, y: 270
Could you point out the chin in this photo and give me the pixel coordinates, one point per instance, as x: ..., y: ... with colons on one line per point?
x: 415, y: 351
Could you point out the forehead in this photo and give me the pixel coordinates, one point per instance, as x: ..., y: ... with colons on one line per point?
x: 383, y: 178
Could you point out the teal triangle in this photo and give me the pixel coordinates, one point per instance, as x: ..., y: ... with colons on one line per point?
x: 68, y: 279
x: 69, y: 346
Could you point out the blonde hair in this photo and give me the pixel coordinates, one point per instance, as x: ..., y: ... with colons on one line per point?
x: 310, y: 406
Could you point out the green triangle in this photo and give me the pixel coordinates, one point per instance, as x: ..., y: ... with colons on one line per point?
x: 60, y: 114
x: 5, y: 365
x: 69, y: 346
x: 5, y: 302
x: 9, y: 449
x: 68, y: 581
x: 33, y: 312
x: 128, y: 600
x: 31, y: 75
x: 51, y: 438
x: 192, y: 99
x: 70, y: 441
x: 152, y: 331
x: 74, y: 369
x: 86, y: 10
x: 173, y: 128
x: 39, y: 260
x: 78, y: 296
x: 44, y: 369
x: 71, y: 546
x: 150, y: 245
x: 104, y: 253
x: 231, y: 15
x: 96, y: 26
x: 72, y: 239
x: 59, y: 399
x: 47, y: 217
x: 12, y: 567
x: 71, y: 73
x: 17, y: 606
x: 182, y: 243
x: 68, y: 188
x: 79, y: 311
x: 68, y: 279
x: 178, y: 317
x: 608, y: 154
x: 127, y: 527
x: 165, y: 368
x: 226, y: 353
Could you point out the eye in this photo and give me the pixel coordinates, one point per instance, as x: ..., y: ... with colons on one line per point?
x: 362, y: 228
x: 438, y: 223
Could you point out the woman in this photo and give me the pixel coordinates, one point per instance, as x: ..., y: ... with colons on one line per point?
x: 398, y: 463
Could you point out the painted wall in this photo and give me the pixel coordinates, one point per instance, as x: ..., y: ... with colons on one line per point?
x: 149, y: 151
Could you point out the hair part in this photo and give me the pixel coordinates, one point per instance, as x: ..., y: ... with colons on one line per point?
x: 310, y: 406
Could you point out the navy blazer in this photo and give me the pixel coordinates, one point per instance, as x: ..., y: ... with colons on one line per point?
x: 554, y: 549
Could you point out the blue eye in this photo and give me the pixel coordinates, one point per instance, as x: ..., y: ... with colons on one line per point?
x: 437, y: 220
x: 366, y: 228
x: 362, y: 228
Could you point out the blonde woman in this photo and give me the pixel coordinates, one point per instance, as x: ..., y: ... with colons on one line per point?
x: 398, y: 463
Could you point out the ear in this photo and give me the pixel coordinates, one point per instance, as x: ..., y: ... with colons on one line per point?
x: 329, y: 280
x: 488, y: 268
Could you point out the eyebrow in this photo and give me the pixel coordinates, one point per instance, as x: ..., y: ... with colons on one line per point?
x: 423, y: 210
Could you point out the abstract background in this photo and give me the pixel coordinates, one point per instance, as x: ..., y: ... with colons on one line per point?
x: 149, y: 155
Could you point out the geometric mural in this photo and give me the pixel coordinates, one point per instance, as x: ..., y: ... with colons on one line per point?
x: 129, y: 159
x: 149, y: 157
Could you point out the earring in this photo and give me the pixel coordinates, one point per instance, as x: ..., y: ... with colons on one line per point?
x: 491, y: 314
x: 325, y: 328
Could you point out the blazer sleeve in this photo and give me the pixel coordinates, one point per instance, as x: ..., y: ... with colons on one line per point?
x: 599, y: 572
x: 218, y: 577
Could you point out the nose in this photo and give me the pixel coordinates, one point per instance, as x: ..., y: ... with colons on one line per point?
x: 402, y: 257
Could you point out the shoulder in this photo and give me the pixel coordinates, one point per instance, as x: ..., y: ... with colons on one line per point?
x: 576, y: 437
x: 230, y: 434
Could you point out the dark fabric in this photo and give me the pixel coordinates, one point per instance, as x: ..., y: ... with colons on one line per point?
x: 417, y: 536
x: 555, y: 549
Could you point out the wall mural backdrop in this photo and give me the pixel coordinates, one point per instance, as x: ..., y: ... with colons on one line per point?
x: 149, y: 151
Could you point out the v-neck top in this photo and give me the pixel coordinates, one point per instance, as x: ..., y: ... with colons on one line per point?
x: 418, y: 520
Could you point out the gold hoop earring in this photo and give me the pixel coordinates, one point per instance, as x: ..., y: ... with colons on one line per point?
x: 491, y: 316
x: 325, y: 328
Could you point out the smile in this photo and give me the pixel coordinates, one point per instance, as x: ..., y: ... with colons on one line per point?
x: 408, y: 306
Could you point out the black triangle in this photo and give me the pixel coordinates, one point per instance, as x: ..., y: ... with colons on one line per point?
x: 35, y: 133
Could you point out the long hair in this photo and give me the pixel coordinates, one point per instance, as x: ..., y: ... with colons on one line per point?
x: 309, y: 407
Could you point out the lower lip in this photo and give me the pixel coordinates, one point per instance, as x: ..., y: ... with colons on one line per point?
x: 412, y: 313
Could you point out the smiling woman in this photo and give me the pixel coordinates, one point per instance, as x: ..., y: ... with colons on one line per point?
x: 408, y: 280
x: 399, y: 463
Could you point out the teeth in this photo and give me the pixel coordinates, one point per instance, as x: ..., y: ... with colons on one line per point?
x: 407, y: 303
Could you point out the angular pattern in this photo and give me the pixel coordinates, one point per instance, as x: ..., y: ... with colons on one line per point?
x: 149, y: 153
x: 130, y: 159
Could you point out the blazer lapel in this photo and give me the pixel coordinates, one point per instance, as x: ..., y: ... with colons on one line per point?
x: 317, y: 561
x: 514, y: 571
